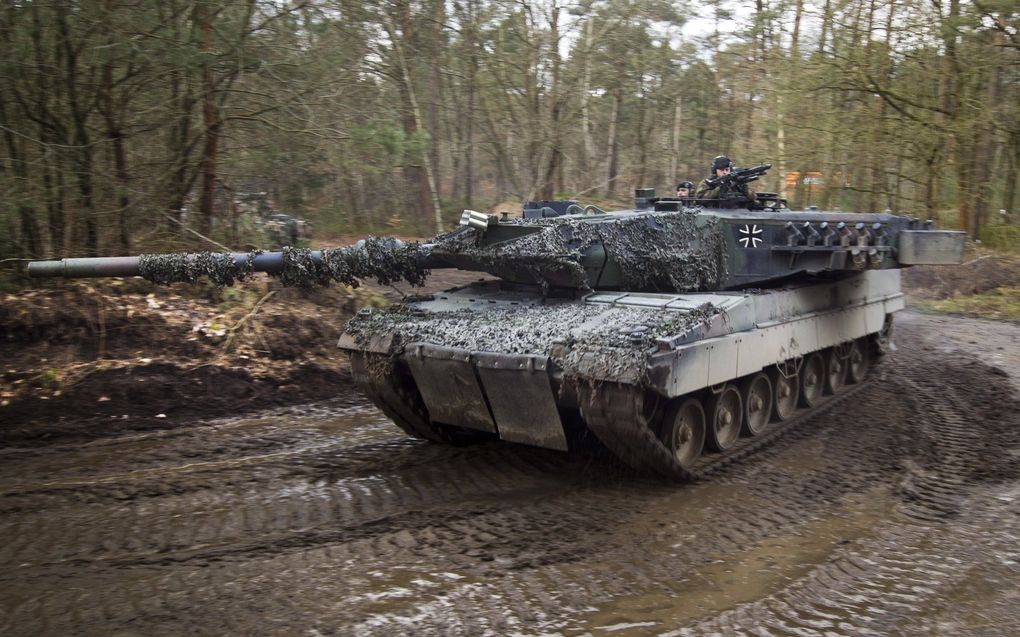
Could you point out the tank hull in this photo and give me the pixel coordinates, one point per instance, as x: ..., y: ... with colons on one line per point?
x: 505, y: 361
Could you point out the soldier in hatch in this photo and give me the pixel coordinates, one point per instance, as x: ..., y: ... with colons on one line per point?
x: 716, y: 185
x: 684, y: 190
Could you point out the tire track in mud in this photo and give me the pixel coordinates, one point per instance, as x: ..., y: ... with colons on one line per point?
x: 379, y: 535
x: 955, y: 461
x: 888, y: 582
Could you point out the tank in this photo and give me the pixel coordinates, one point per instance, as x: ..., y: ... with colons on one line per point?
x: 680, y: 334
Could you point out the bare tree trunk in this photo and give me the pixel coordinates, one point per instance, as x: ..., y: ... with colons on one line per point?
x: 555, y: 104
x: 795, y: 37
x: 757, y: 51
x: 586, y: 151
x: 987, y: 147
x: 428, y: 196
x: 674, y: 159
x: 949, y: 100
x: 83, y: 147
x: 613, y: 144
x: 31, y: 233
x: 879, y: 179
x: 826, y: 26
x: 1012, y: 169
x: 114, y: 133
x: 469, y: 164
x: 781, y: 144
x: 436, y: 53
x: 211, y: 120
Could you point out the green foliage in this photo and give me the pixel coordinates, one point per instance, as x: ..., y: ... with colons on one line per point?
x: 381, y: 141
x: 999, y: 304
x: 47, y: 379
x: 1002, y: 237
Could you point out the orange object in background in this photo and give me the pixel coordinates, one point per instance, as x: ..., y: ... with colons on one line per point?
x: 811, y: 178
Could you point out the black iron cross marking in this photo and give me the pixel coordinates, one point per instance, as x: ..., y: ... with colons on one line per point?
x: 750, y: 238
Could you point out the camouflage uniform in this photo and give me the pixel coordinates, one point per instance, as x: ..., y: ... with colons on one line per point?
x: 738, y: 193
x: 724, y: 191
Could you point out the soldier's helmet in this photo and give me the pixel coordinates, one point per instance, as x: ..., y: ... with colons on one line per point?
x: 720, y: 162
x: 689, y: 185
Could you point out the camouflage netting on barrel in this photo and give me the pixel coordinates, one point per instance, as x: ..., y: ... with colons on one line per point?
x: 180, y: 267
x: 383, y: 258
x: 664, y: 252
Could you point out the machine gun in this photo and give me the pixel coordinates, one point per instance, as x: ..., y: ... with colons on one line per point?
x: 739, y: 176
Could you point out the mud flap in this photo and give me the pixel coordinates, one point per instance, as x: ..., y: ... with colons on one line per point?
x: 448, y: 385
x: 521, y: 397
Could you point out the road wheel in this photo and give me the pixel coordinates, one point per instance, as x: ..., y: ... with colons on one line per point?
x: 859, y: 362
x: 836, y: 363
x: 785, y: 392
x: 683, y: 430
x: 812, y: 379
x: 756, y: 393
x: 725, y: 413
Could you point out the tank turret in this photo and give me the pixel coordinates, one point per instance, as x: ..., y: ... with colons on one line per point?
x: 686, y: 249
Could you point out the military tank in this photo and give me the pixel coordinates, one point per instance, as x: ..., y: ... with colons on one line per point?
x: 679, y: 333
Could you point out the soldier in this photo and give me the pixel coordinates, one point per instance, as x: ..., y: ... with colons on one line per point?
x: 722, y: 166
x: 684, y: 190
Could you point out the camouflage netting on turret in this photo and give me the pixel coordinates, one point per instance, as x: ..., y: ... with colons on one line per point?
x: 655, y: 252
x: 587, y: 340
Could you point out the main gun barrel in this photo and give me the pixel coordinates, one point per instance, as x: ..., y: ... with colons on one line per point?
x: 384, y: 259
x: 74, y: 268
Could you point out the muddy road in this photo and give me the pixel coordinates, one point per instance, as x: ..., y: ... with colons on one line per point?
x: 895, y: 513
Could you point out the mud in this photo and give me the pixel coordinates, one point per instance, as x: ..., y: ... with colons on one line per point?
x: 896, y: 513
x: 116, y: 356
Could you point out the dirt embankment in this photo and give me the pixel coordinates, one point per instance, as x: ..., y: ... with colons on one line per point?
x: 984, y: 286
x: 132, y: 354
x: 126, y: 354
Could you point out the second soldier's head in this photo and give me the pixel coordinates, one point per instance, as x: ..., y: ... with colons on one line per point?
x: 684, y: 188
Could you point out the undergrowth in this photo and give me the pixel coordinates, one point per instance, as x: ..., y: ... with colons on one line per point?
x: 1001, y: 304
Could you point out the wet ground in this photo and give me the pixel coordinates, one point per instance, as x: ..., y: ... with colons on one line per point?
x: 894, y: 513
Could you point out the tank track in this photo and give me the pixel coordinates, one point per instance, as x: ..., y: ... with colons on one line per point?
x: 396, y: 397
x: 393, y: 391
x: 612, y: 414
x: 618, y: 415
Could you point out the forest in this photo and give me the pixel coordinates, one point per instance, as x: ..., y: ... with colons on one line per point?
x: 137, y: 124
